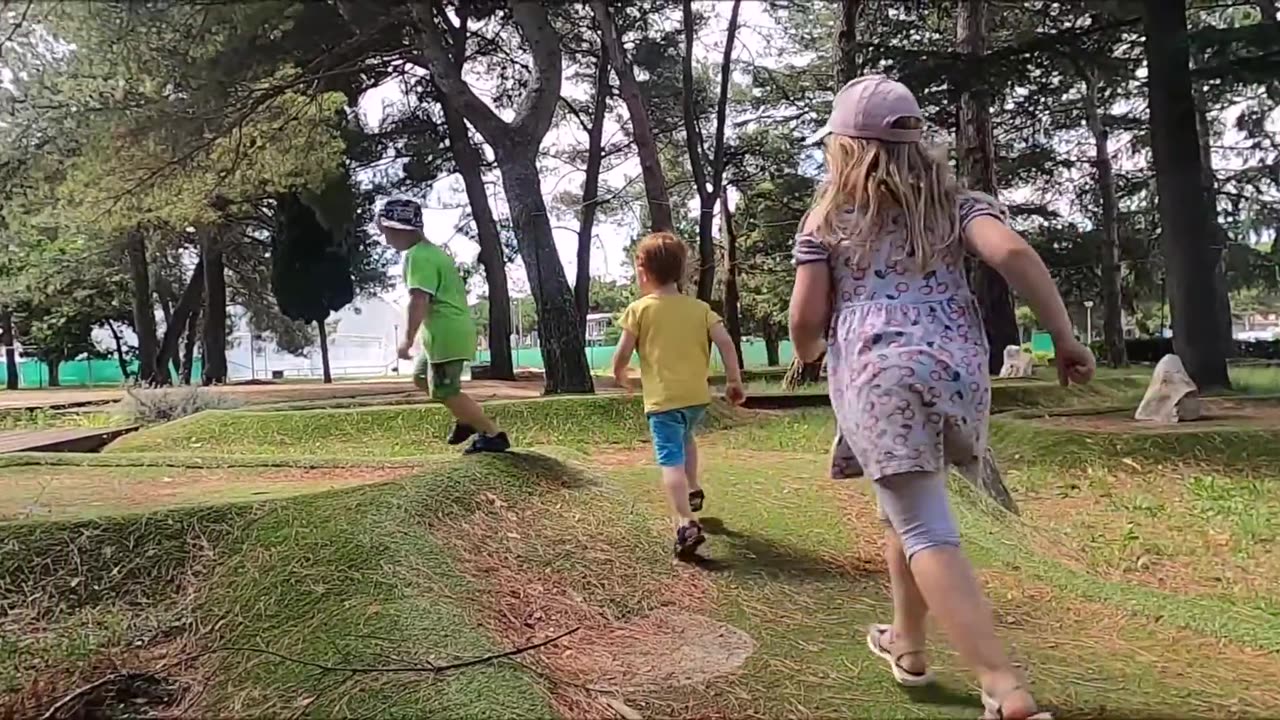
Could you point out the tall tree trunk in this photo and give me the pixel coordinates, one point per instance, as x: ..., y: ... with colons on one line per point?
x: 516, y: 143
x: 1184, y: 208
x: 591, y: 192
x: 189, y: 346
x: 8, y: 342
x: 492, y: 256
x: 214, y: 337
x: 846, y: 64
x: 187, y: 304
x: 1219, y: 287
x: 709, y: 189
x: 324, y: 352
x: 976, y: 151
x: 144, y: 314
x: 563, y: 346
x: 119, y: 343
x: 1112, y: 323
x: 54, y: 364
x: 655, y: 183
x: 732, y: 314
x: 772, y: 357
x: 1268, y: 10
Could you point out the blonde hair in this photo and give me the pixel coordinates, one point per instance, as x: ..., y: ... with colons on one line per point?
x: 873, y: 177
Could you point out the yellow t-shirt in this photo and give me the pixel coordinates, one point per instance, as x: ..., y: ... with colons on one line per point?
x: 673, y: 338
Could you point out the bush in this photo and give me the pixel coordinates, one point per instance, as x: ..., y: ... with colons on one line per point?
x: 149, y: 406
x: 1150, y: 350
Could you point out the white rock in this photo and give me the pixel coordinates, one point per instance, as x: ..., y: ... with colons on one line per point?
x: 1172, y: 396
x: 1017, y: 363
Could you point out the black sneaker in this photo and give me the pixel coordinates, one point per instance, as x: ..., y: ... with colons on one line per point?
x: 689, y: 538
x: 462, y: 432
x: 696, y: 498
x: 489, y: 444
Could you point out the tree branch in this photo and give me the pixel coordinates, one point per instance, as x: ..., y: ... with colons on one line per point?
x: 537, y: 109
x: 692, y: 133
x: 726, y: 71
x: 22, y: 20
x: 434, y: 57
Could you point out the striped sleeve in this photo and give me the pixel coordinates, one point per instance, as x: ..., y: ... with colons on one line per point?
x: 974, y: 204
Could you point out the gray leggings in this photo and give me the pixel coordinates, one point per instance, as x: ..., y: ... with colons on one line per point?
x: 915, y: 505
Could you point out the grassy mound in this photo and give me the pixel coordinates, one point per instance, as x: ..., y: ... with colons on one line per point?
x: 347, y: 578
x: 398, y: 431
x: 1140, y: 561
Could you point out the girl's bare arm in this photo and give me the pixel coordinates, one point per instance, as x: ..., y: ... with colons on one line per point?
x: 810, y: 308
x: 1003, y: 249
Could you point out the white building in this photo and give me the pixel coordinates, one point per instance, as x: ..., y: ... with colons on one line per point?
x: 363, y: 344
x: 597, y: 324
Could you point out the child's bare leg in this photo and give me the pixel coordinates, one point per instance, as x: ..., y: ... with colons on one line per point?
x: 909, y: 608
x: 676, y: 483
x: 691, y: 463
x: 918, y: 507
x: 466, y: 410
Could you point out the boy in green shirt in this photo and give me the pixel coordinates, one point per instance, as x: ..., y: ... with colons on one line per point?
x: 438, y: 304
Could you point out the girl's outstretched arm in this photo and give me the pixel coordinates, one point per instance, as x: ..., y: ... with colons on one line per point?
x: 810, y: 308
x: 1003, y: 249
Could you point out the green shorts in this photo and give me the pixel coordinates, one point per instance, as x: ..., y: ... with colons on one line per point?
x: 442, y: 380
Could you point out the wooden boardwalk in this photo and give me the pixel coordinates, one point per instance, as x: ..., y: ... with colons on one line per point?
x: 61, y: 439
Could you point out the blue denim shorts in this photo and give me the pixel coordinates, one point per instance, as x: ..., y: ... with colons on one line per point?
x: 672, y: 430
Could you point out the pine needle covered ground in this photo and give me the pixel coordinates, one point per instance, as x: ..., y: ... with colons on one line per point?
x: 336, y: 563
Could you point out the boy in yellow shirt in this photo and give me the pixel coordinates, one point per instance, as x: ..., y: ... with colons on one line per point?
x: 673, y: 334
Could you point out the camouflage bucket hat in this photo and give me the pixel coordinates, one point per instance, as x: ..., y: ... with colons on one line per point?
x: 401, y: 214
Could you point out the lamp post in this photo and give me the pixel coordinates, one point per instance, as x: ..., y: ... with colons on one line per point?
x: 1088, y: 321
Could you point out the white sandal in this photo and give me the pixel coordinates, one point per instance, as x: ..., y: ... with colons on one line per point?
x: 994, y: 710
x: 875, y: 642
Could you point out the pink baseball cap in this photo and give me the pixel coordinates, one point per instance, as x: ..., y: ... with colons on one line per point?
x: 867, y: 107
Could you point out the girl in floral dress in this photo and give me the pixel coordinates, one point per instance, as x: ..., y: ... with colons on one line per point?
x: 881, y: 290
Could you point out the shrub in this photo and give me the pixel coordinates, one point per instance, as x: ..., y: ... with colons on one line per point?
x: 1150, y: 350
x: 149, y: 406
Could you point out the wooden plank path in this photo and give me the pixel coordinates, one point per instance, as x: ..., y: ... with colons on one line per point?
x: 61, y: 439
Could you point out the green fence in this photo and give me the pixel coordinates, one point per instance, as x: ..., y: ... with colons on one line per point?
x: 600, y: 357
x: 76, y: 373
x: 88, y: 373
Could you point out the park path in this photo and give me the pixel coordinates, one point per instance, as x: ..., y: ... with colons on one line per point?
x: 260, y: 393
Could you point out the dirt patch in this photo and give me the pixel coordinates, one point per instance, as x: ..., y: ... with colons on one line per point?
x: 662, y: 650
x: 271, y: 392
x: 1219, y: 414
x: 640, y: 630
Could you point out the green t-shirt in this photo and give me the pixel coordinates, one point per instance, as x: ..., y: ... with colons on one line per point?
x: 448, y: 333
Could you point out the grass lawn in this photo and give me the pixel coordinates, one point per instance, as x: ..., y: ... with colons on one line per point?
x: 269, y: 562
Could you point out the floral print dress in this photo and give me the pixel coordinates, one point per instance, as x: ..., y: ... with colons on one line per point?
x: 907, y: 354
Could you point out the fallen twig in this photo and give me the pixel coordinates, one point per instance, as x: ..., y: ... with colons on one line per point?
x: 429, y: 668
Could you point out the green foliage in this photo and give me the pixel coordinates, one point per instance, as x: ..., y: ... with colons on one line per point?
x: 310, y: 277
x: 611, y: 297
x: 767, y: 218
